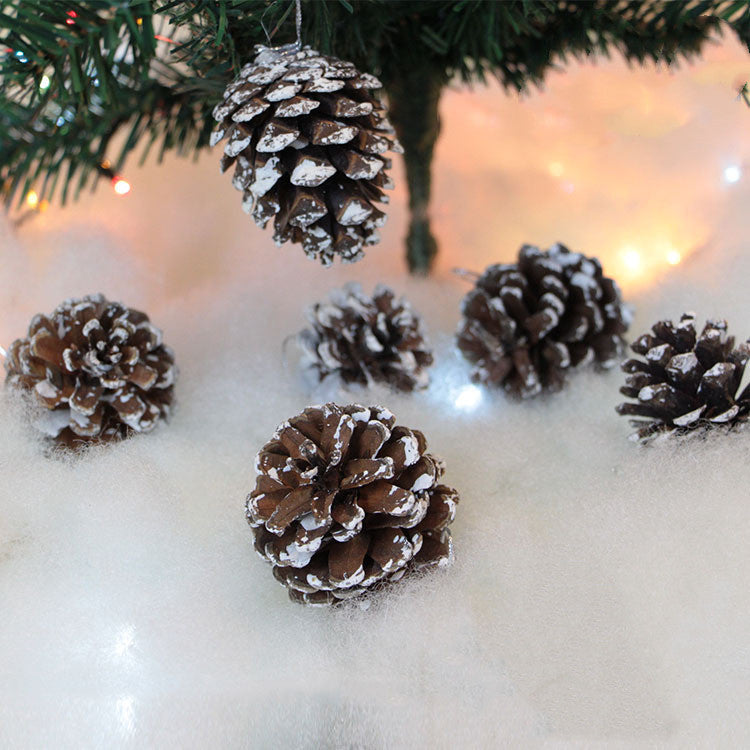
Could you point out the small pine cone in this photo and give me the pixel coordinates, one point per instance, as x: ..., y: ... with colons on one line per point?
x: 307, y: 139
x: 346, y: 500
x: 686, y: 382
x: 528, y: 322
x: 363, y: 338
x: 98, y: 366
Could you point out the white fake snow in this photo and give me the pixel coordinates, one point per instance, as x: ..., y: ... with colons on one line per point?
x: 599, y: 594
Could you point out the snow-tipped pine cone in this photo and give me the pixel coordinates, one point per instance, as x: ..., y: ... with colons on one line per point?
x: 346, y: 501
x: 307, y: 139
x: 100, y: 369
x: 527, y: 323
x: 363, y: 339
x: 686, y: 382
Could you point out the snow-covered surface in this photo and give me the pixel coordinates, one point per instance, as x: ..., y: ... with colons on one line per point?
x: 600, y: 590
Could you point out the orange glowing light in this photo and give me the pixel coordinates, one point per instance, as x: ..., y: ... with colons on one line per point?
x: 632, y: 259
x: 32, y: 199
x: 43, y: 206
x: 120, y: 186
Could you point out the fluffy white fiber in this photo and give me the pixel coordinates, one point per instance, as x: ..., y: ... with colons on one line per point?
x: 600, y: 591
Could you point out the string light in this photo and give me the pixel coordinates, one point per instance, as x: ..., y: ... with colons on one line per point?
x: 632, y: 259
x: 732, y: 174
x: 120, y: 186
x: 468, y: 398
x: 44, y: 83
x: 32, y: 199
x: 72, y: 15
x: 673, y: 257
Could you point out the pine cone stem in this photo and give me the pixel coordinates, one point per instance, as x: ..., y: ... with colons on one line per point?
x: 414, y: 96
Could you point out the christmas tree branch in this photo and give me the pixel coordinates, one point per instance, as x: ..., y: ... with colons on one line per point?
x: 78, y: 75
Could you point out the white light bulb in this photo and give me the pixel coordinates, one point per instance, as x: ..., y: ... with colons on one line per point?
x: 732, y: 174
x: 468, y: 398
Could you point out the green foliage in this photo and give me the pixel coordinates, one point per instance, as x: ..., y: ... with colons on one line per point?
x: 75, y: 74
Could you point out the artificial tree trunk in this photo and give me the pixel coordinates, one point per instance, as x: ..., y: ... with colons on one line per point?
x: 413, y: 98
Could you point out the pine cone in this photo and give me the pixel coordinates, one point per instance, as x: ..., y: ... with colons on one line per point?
x: 307, y: 138
x: 687, y: 382
x: 98, y: 366
x: 528, y: 322
x: 363, y: 338
x: 346, y: 500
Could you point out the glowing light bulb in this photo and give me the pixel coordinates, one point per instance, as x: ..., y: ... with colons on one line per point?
x: 468, y: 398
x: 632, y: 259
x: 43, y: 206
x: 72, y: 15
x: 32, y: 199
x: 673, y: 257
x: 120, y: 186
x: 44, y: 83
x: 556, y: 169
x: 732, y: 174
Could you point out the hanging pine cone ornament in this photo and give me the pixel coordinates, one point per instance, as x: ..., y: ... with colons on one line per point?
x: 346, y: 500
x: 363, y: 339
x: 99, y: 367
x: 526, y: 324
x: 686, y: 382
x: 307, y: 139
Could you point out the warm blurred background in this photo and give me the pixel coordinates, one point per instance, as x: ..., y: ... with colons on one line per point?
x: 642, y: 167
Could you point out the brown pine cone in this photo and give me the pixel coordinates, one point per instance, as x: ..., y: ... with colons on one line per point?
x: 346, y: 500
x: 525, y: 324
x: 98, y: 366
x: 365, y: 339
x: 687, y: 382
x: 307, y: 137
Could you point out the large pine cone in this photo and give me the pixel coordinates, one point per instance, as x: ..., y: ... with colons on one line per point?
x: 686, y: 382
x: 363, y: 338
x: 528, y: 322
x: 347, y: 500
x: 98, y: 366
x: 307, y: 137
